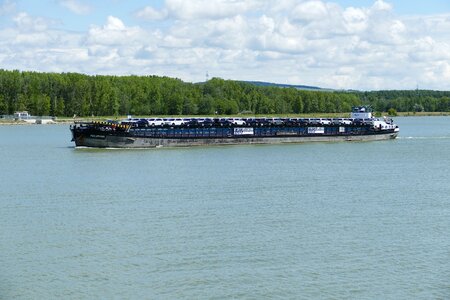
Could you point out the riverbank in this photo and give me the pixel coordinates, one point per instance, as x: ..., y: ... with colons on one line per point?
x: 13, y: 122
x: 422, y: 114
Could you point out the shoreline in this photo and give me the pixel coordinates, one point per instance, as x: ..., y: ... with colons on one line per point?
x: 19, y: 123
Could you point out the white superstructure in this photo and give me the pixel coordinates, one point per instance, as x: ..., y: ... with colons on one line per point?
x: 361, y: 112
x: 364, y: 114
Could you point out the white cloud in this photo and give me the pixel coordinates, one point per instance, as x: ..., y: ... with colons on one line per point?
x: 26, y: 22
x: 311, y: 42
x: 114, y: 23
x: 7, y: 7
x: 76, y: 7
x: 310, y: 11
x: 114, y: 32
x: 355, y: 20
x: 382, y: 6
x: 149, y: 13
x: 199, y: 9
x: 228, y: 33
x: 32, y: 39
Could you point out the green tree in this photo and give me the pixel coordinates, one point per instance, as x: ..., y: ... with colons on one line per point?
x: 189, y: 107
x: 3, y: 106
x: 60, y: 107
x: 392, y: 111
x: 22, y: 103
x: 206, y: 105
x: 72, y: 93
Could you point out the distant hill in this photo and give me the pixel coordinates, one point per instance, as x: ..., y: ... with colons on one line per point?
x: 298, y: 87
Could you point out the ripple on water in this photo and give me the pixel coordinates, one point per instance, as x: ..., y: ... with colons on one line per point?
x: 339, y: 221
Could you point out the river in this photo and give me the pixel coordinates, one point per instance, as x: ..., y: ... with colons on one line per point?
x: 362, y: 220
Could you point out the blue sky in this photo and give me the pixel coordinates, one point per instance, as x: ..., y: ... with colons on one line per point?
x: 349, y: 44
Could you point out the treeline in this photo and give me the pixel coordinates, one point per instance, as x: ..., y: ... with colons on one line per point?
x: 406, y: 101
x: 69, y: 94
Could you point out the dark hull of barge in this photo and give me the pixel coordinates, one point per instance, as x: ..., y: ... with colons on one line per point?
x: 105, y: 137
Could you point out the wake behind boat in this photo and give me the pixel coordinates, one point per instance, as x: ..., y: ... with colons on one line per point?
x: 184, y: 132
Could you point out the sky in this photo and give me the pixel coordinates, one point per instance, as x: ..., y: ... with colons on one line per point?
x: 338, y: 44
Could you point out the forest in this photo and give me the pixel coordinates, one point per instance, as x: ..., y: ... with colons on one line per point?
x: 70, y: 94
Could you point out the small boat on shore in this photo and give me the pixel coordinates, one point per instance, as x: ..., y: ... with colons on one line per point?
x: 24, y: 116
x: 185, y: 132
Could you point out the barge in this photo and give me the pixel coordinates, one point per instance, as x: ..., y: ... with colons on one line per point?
x: 178, y: 132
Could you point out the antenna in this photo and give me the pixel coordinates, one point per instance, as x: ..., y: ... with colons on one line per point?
x: 207, y: 76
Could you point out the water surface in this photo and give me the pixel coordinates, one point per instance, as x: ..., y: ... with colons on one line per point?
x: 321, y: 220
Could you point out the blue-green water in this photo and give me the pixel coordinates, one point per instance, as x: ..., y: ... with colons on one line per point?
x: 364, y: 220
